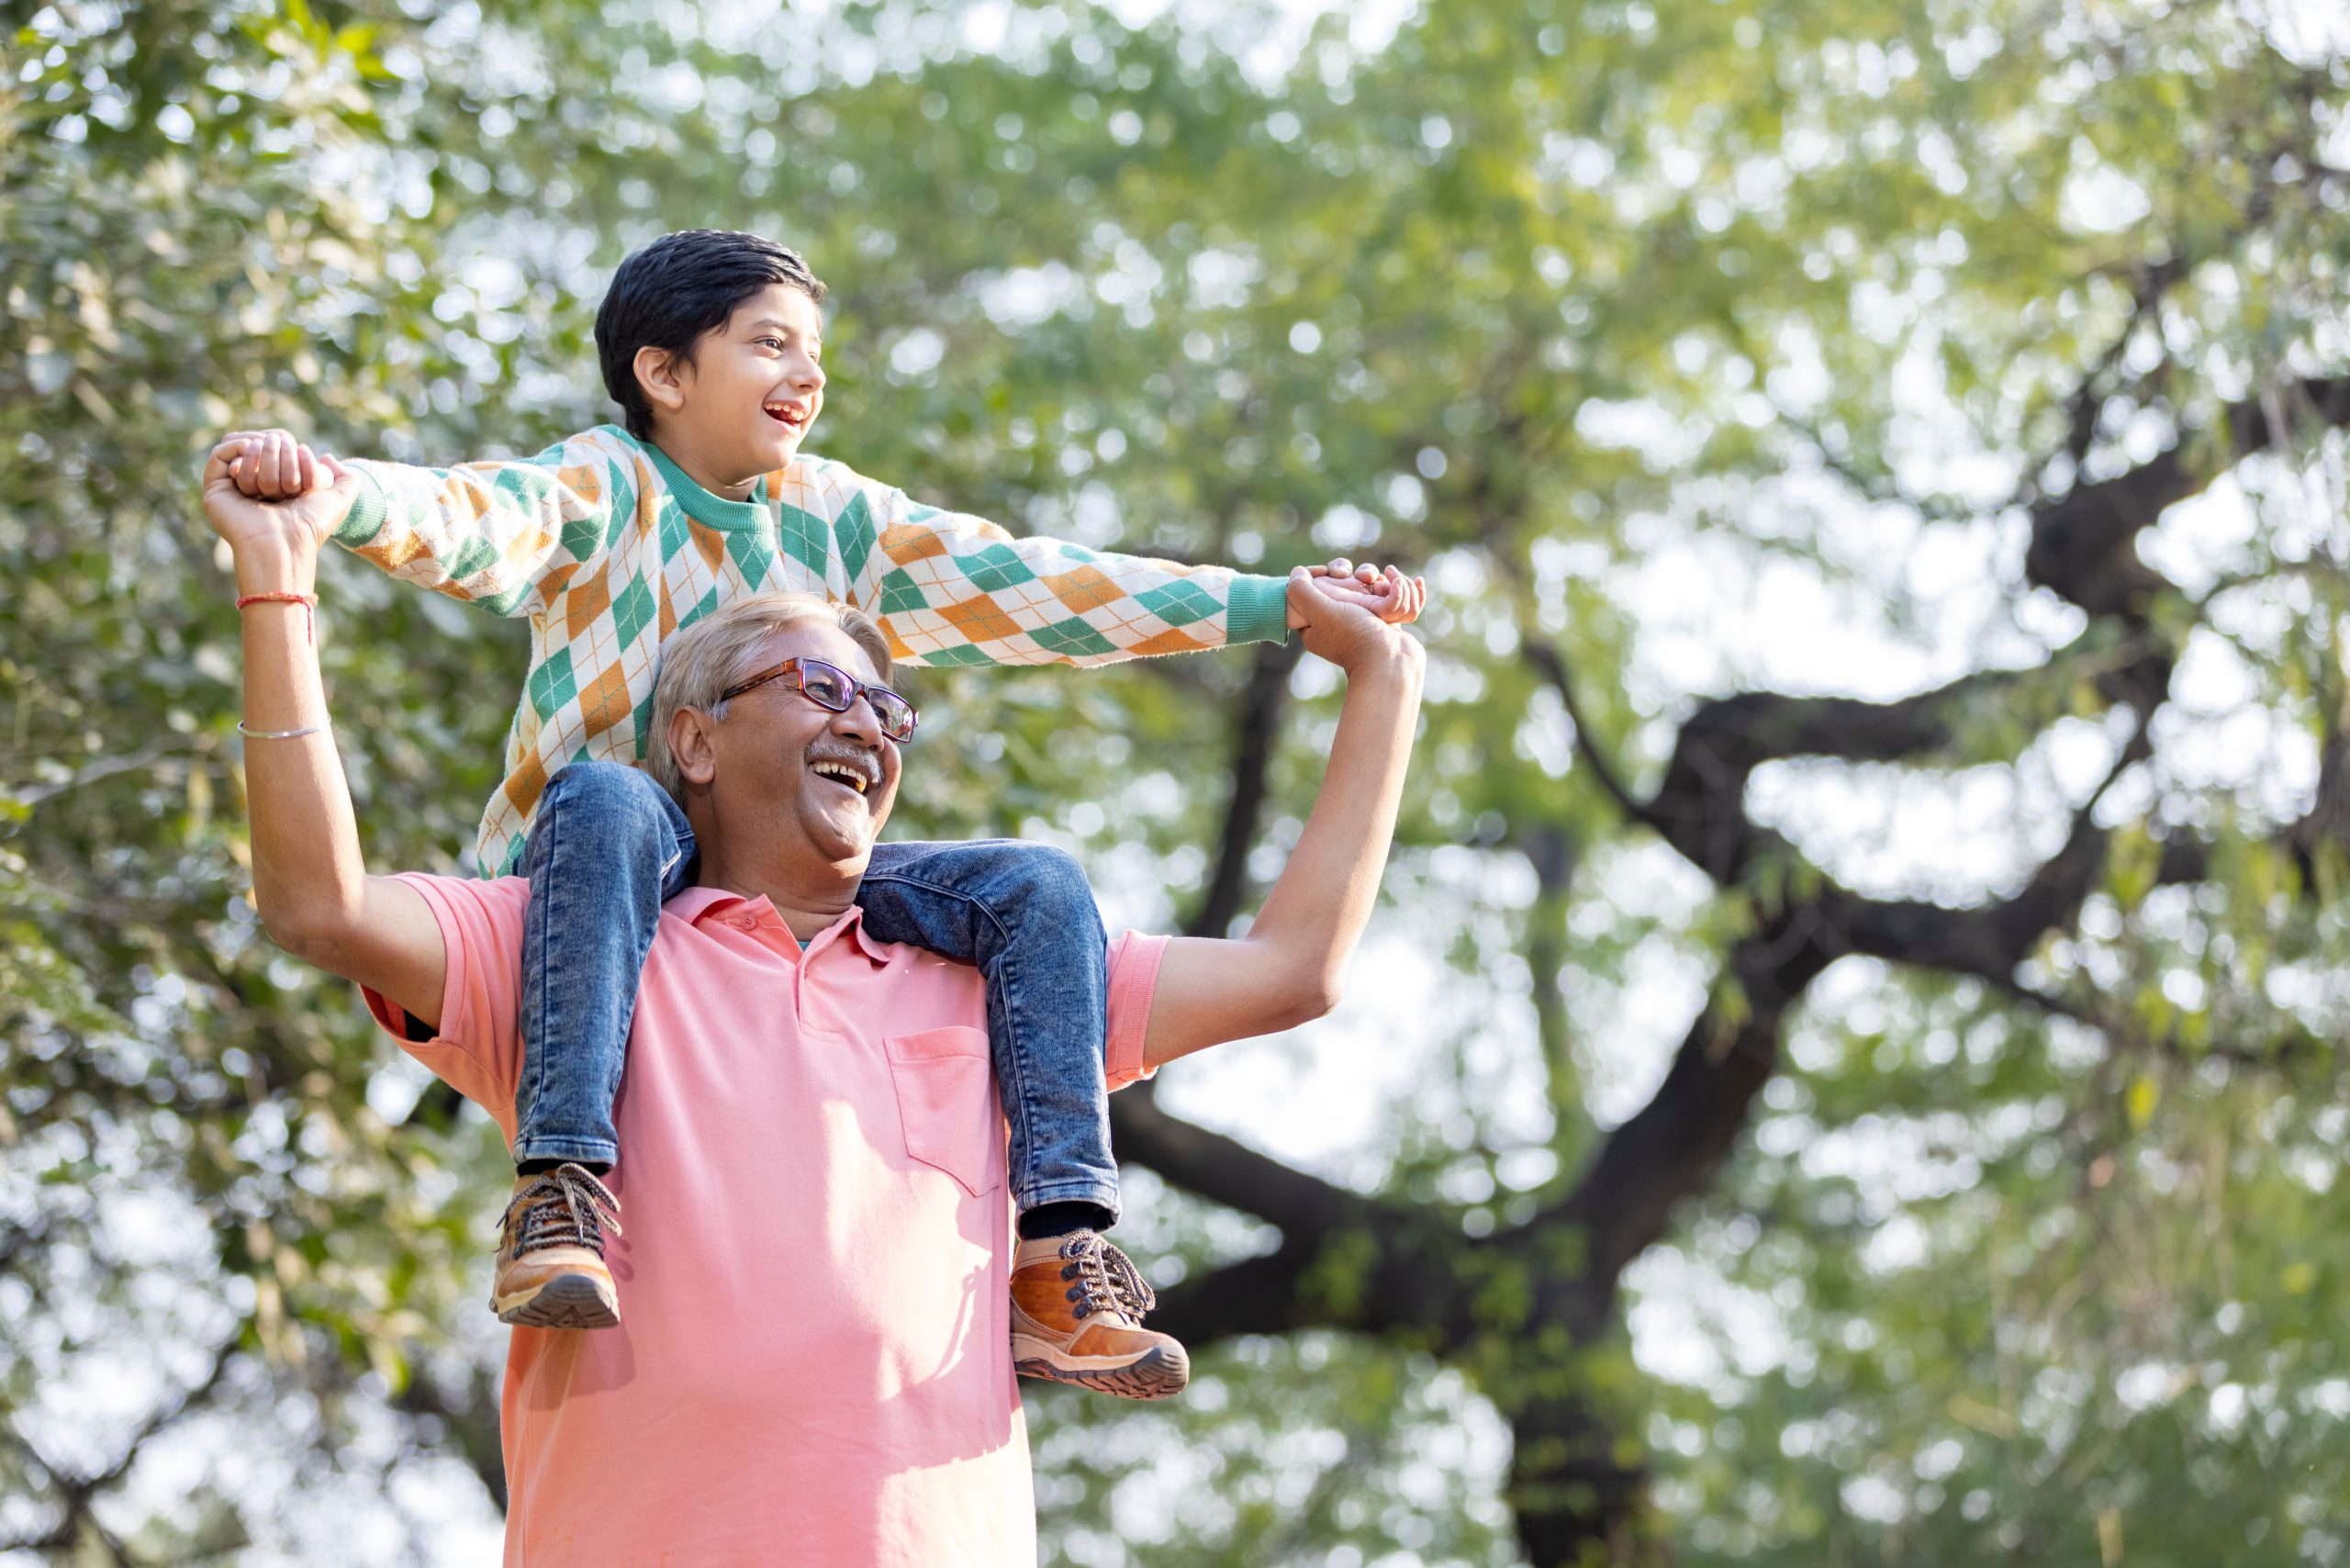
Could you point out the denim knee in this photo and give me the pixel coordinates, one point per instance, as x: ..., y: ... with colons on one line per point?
x: 611, y: 794
x: 1049, y: 878
x: 605, y: 791
x: 1041, y: 883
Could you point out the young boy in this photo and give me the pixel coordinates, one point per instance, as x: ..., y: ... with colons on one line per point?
x: 611, y: 539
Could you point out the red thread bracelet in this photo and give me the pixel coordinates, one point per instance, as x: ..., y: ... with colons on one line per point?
x: 308, y: 602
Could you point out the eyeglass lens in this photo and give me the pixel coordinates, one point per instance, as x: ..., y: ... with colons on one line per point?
x: 835, y: 689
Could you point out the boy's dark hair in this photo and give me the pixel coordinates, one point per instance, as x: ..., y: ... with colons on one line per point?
x: 668, y: 293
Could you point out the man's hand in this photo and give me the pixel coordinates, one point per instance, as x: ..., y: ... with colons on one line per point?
x: 1339, y: 621
x: 1379, y: 590
x: 275, y: 538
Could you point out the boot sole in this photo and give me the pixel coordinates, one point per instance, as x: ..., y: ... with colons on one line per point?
x: 1159, y: 1373
x: 568, y: 1301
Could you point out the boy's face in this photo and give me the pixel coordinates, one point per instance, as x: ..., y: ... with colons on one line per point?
x: 754, y: 385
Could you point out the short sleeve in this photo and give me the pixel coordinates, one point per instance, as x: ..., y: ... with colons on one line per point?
x: 1134, y: 979
x: 479, y: 1050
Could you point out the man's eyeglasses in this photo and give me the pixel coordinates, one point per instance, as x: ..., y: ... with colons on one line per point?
x: 830, y: 687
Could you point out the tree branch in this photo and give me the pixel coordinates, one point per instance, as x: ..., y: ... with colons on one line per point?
x: 2081, y: 540
x: 78, y: 1492
x: 1673, y: 1144
x: 1544, y: 656
x: 1225, y: 1170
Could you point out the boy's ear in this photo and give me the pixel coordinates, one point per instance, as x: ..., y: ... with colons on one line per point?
x: 689, y: 744
x: 661, y: 374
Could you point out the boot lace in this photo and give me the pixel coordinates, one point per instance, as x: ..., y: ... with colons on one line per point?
x: 1105, y: 1279
x: 564, y: 1207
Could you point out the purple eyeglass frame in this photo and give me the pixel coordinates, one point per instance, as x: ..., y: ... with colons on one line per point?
x: 797, y: 667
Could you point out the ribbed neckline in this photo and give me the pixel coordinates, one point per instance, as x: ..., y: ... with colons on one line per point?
x: 734, y: 517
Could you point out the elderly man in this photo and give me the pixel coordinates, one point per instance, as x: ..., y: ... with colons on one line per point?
x: 808, y: 1113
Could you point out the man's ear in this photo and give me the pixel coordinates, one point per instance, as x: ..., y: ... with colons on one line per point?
x: 662, y: 374
x: 689, y: 742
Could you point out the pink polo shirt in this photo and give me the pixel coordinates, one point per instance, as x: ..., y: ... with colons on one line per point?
x: 814, y: 1360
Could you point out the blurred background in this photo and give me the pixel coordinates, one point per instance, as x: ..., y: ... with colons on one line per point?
x: 1849, y: 1069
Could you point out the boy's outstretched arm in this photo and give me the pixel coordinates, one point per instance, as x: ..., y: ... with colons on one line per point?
x: 311, y: 881
x: 498, y: 534
x: 1288, y: 968
x: 950, y: 589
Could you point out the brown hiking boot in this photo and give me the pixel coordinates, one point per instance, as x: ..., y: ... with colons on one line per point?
x: 550, y: 1270
x: 1077, y: 1306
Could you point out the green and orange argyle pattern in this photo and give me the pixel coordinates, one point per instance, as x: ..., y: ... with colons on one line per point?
x: 607, y: 547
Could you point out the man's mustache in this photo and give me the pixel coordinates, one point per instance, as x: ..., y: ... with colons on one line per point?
x: 867, y: 760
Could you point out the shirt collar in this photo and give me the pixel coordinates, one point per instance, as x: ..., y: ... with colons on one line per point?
x: 703, y: 906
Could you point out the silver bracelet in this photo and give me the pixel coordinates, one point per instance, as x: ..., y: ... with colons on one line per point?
x: 276, y: 735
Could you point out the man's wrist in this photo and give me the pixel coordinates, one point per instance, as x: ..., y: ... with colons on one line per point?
x: 276, y: 568
x: 1393, y: 658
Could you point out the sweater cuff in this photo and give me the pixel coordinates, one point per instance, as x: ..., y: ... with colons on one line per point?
x: 1256, y: 610
x: 365, y: 518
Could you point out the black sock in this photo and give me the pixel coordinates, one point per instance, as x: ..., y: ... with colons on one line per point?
x: 1060, y: 1219
x: 540, y: 1167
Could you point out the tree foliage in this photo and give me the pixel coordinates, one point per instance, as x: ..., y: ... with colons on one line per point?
x: 1811, y: 416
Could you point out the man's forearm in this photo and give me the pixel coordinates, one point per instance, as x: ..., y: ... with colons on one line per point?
x: 309, y: 884
x: 1318, y: 910
x: 1288, y: 968
x: 307, y: 871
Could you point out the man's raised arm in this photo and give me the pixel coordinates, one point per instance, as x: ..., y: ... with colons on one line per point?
x: 310, y: 883
x: 1288, y: 968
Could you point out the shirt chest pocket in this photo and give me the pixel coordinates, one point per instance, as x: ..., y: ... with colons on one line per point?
x: 946, y: 1100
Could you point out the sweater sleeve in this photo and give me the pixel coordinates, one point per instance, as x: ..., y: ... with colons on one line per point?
x: 506, y: 535
x: 950, y: 589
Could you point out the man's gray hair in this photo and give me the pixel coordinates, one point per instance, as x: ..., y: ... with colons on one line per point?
x: 715, y: 652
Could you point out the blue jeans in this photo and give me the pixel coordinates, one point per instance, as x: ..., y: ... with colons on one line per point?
x: 609, y: 846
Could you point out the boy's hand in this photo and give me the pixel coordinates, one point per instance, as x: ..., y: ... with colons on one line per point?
x: 270, y: 465
x: 275, y: 538
x: 1335, y: 624
x: 1381, y: 590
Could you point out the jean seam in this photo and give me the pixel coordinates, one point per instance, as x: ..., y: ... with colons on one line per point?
x: 1073, y: 1190
x: 568, y: 1148
x: 1015, y: 1051
x: 534, y: 1052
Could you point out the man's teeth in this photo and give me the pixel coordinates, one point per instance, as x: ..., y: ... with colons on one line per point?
x: 848, y: 773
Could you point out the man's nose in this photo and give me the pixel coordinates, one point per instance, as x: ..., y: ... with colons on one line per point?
x: 809, y: 375
x: 859, y: 722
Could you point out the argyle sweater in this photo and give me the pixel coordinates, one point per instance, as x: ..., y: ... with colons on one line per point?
x: 607, y: 547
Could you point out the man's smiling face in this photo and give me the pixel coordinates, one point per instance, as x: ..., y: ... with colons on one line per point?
x: 808, y: 783
x: 755, y: 385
